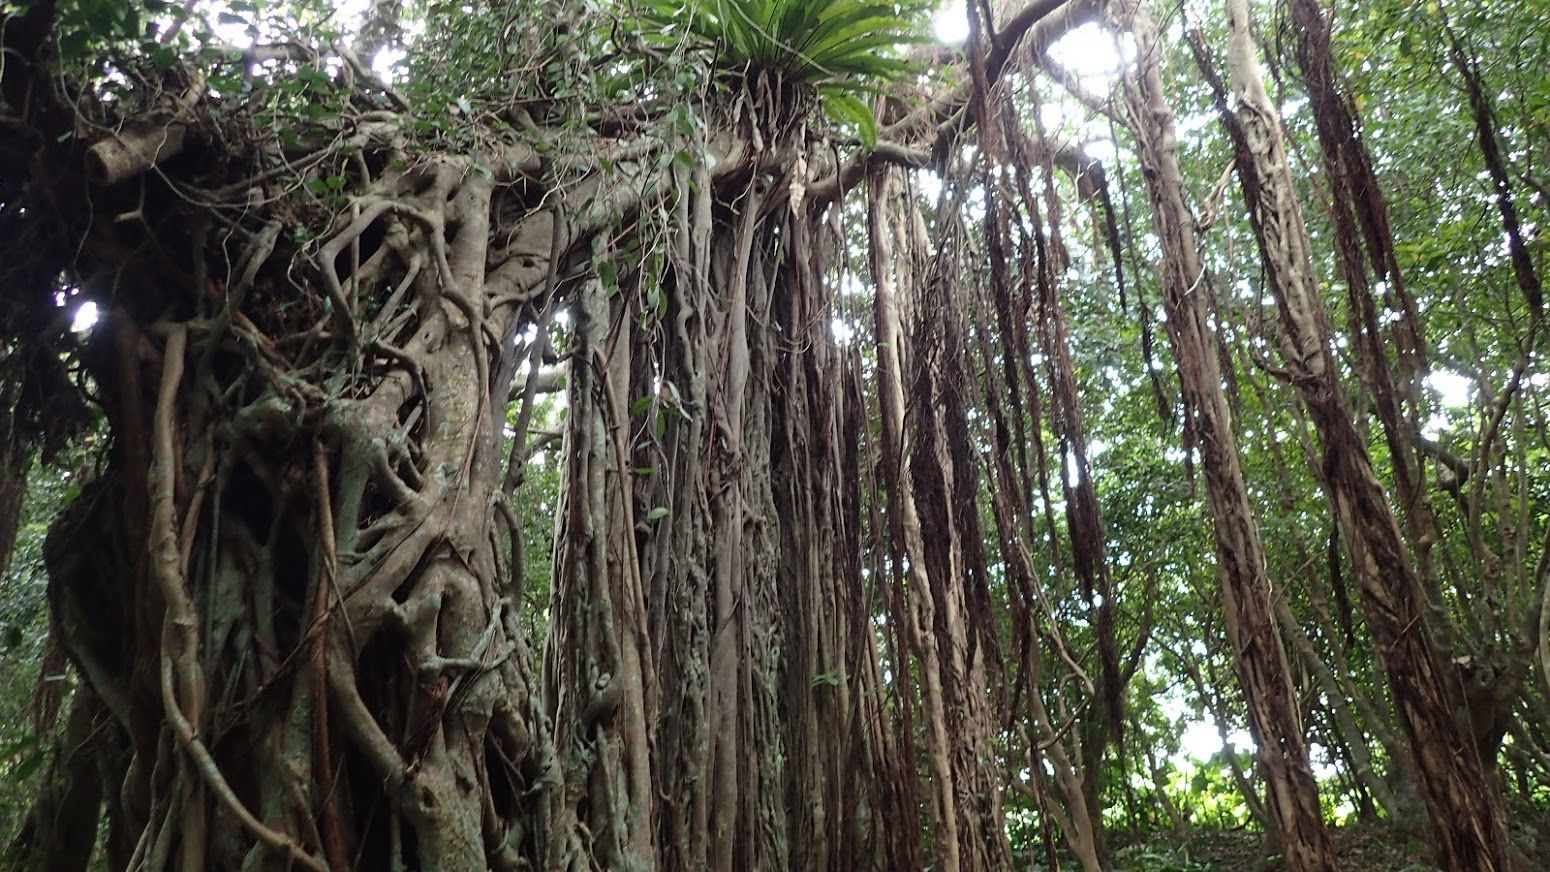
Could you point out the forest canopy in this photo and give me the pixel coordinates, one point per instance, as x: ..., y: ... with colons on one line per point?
x: 774, y: 434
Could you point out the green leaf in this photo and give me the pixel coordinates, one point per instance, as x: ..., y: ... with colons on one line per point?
x: 29, y: 765
x: 849, y: 109
x: 607, y: 273
x: 73, y: 45
x: 314, y: 77
x: 827, y: 678
x: 656, y: 514
x: 163, y: 57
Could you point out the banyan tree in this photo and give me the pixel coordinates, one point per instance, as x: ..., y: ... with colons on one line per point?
x: 578, y: 435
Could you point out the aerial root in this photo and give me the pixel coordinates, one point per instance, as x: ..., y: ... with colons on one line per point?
x: 180, y: 670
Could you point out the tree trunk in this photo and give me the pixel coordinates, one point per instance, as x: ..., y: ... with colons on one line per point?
x: 343, y: 594
x: 905, y: 523
x: 1258, y: 653
x: 292, y: 589
x: 1467, y: 825
x: 1014, y: 402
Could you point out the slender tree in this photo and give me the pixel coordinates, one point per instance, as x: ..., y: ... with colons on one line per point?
x: 1467, y: 826
x: 1258, y: 653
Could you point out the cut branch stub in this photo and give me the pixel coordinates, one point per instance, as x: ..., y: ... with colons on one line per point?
x: 133, y: 151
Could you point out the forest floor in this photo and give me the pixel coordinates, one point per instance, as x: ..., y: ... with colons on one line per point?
x: 1362, y: 847
x: 1367, y: 847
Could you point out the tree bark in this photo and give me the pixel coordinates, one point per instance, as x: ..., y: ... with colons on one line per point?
x: 1258, y: 654
x: 1468, y: 828
x: 905, y: 522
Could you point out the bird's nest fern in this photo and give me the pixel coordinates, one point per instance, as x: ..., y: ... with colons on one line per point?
x: 786, y: 58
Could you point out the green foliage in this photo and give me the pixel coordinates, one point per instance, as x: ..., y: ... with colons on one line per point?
x: 834, y: 44
x: 850, y: 109
x: 839, y: 50
x: 88, y: 25
x: 1159, y: 858
x: 538, y: 509
x: 487, y: 66
x: 24, y: 624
